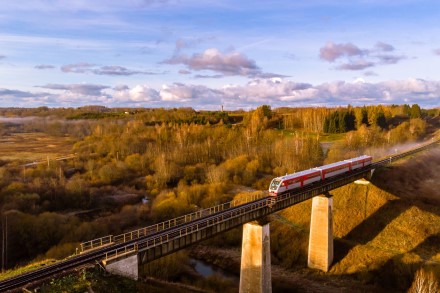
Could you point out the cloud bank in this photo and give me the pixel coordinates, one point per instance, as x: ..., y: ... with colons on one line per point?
x: 276, y: 92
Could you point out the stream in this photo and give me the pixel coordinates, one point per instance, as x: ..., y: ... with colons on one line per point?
x: 207, y: 270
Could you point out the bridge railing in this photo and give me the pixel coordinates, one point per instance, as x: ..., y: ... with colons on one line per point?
x: 96, y: 243
x: 121, y: 251
x: 190, y: 229
x: 136, y: 234
x: 197, y: 226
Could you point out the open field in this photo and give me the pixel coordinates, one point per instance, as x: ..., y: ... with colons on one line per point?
x: 29, y: 147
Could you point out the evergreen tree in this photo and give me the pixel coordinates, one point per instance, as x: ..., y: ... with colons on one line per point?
x: 381, y: 121
x: 350, y: 121
x: 407, y: 110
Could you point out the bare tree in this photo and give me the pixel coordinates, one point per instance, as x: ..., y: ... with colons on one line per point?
x: 424, y: 282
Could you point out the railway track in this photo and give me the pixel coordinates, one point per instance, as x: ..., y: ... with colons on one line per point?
x: 176, y: 231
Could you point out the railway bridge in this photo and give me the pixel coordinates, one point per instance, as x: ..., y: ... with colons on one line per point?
x: 126, y: 253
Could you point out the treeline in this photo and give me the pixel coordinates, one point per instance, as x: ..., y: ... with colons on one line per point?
x: 344, y: 120
x: 341, y: 120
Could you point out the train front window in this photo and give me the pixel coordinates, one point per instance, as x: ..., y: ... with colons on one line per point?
x: 275, y: 183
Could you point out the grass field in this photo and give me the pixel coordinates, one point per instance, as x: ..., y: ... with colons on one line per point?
x: 30, y: 147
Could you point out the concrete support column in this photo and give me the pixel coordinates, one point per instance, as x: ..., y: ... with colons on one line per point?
x: 126, y: 267
x: 321, y: 233
x: 255, y: 274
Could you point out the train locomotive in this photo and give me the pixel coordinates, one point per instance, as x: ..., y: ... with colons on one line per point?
x: 300, y: 179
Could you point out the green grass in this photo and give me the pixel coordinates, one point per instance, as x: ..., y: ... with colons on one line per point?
x: 30, y: 267
x: 323, y: 137
x: 331, y: 137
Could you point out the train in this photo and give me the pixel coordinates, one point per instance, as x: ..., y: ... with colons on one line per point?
x: 288, y: 182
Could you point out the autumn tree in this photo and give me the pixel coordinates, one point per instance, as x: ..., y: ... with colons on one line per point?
x: 415, y: 112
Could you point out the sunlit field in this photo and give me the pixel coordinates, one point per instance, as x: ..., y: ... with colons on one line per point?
x: 36, y: 146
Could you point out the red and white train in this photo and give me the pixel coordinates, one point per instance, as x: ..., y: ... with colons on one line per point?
x: 303, y: 178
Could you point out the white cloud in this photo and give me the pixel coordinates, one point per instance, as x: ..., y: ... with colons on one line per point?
x: 232, y: 63
x: 44, y: 66
x: 331, y: 51
x: 381, y: 46
x: 351, y: 57
x: 184, y: 71
x: 139, y: 93
x: 370, y: 73
x: 82, y: 89
x: 84, y: 67
x: 198, y: 94
x: 265, y: 89
x: 356, y: 65
x: 81, y: 67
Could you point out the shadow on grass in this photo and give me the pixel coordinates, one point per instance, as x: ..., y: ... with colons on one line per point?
x: 376, y: 222
x: 428, y: 248
x: 368, y: 229
x: 415, y: 180
x: 415, y: 183
x: 398, y: 272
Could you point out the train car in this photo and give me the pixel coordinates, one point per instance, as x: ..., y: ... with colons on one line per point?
x: 333, y: 169
x: 303, y: 178
x: 360, y: 162
x: 292, y: 181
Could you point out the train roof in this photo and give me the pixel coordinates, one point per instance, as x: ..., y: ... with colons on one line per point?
x: 297, y: 174
x: 317, y: 169
x: 359, y: 158
x: 337, y: 164
x: 341, y: 163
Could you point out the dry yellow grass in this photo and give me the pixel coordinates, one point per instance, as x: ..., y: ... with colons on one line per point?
x: 29, y: 147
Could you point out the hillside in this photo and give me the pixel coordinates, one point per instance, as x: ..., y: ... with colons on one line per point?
x: 384, y: 232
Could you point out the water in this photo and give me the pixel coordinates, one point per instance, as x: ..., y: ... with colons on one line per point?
x: 206, y: 270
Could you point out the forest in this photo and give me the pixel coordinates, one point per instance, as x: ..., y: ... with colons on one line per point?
x: 129, y: 168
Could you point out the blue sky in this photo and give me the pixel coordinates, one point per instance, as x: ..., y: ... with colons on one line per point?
x: 204, y: 54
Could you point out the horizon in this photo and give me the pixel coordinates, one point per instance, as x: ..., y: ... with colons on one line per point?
x: 220, y: 108
x: 204, y: 54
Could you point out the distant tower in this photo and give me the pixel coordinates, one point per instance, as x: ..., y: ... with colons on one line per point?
x: 222, y: 108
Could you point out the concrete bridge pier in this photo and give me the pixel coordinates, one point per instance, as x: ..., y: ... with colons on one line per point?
x: 370, y: 175
x: 126, y: 266
x: 255, y: 273
x: 321, y: 233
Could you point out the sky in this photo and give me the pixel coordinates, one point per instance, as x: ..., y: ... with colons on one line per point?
x: 209, y: 53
